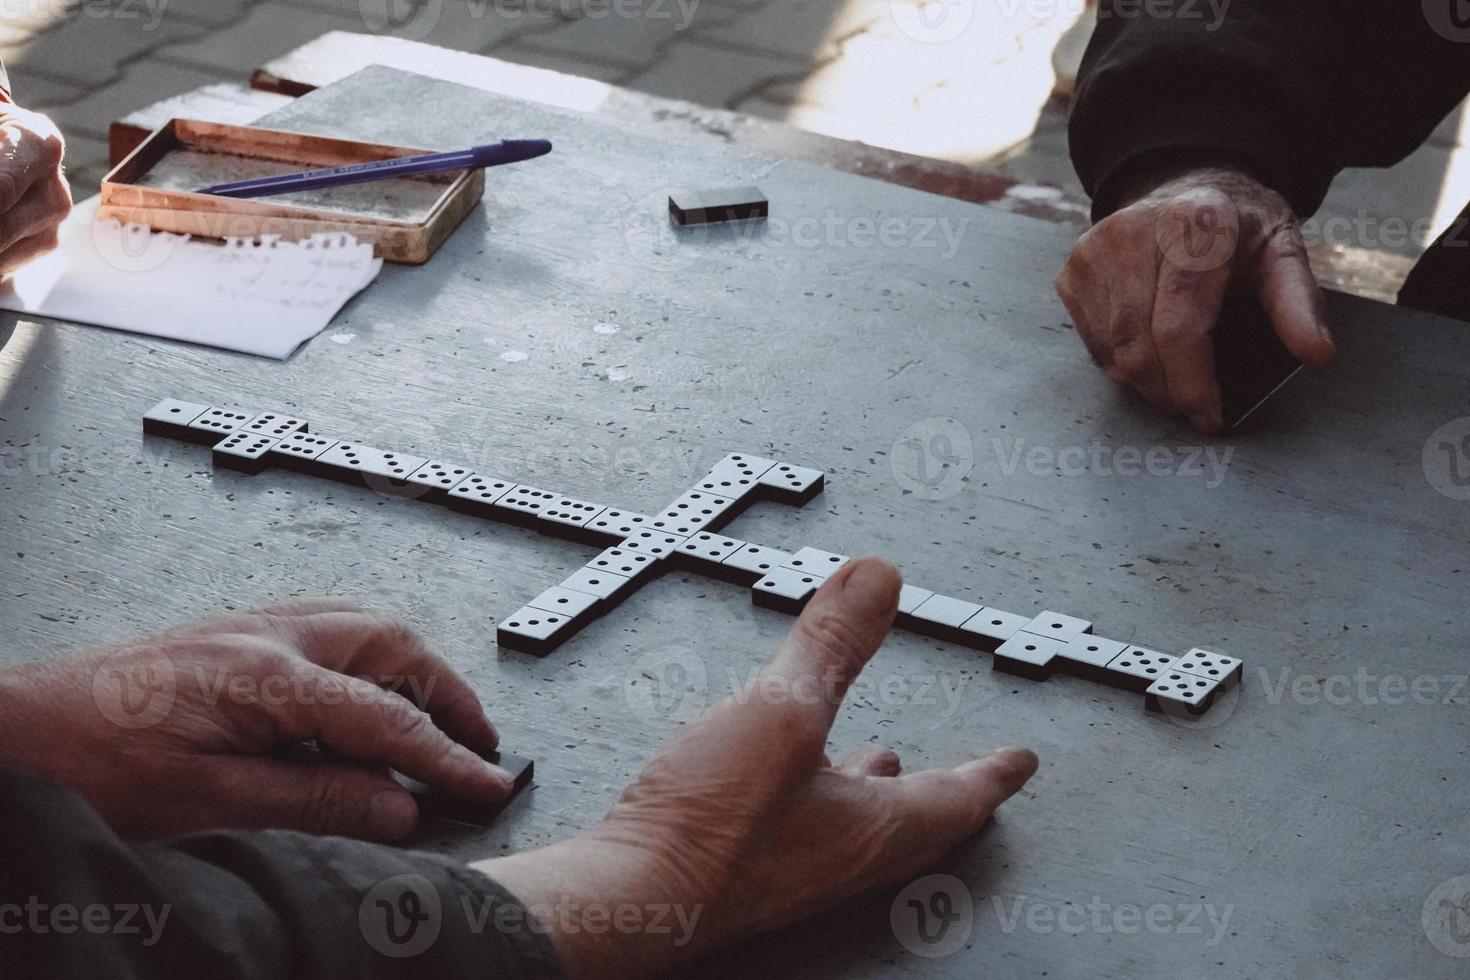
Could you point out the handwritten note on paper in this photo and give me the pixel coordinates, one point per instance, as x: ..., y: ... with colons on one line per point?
x: 262, y: 297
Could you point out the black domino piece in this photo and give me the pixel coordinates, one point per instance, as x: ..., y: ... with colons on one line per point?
x: 1024, y: 655
x: 1251, y: 362
x: 299, y: 451
x: 521, y: 769
x: 477, y: 494
x: 171, y: 418
x: 215, y: 424
x: 718, y: 204
x: 785, y: 590
x: 244, y: 451
x: 441, y: 805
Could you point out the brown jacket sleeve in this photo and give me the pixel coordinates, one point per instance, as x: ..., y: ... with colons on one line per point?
x: 75, y: 901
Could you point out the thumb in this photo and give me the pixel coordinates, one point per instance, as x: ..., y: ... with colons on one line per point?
x: 836, y: 635
x: 1292, y: 299
x: 775, y: 731
x: 316, y: 797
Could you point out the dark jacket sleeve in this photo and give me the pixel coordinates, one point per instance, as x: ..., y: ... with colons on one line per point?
x: 1291, y: 91
x: 78, y: 902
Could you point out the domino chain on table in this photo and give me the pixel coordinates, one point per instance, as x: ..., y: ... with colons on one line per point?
x: 638, y: 547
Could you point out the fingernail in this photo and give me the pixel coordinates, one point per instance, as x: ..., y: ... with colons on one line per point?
x: 1020, y: 764
x: 871, y: 574
x: 1208, y: 422
x: 501, y: 776
x: 393, y: 813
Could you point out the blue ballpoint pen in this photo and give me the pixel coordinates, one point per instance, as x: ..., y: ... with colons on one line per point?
x: 490, y: 155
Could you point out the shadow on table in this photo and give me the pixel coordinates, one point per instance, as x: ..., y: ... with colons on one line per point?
x: 23, y: 356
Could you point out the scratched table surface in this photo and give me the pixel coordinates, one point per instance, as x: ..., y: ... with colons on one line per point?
x: 912, y: 347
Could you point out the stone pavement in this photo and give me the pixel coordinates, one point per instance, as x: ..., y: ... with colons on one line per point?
x: 964, y: 80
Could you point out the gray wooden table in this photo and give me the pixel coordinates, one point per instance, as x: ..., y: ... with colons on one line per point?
x: 565, y: 337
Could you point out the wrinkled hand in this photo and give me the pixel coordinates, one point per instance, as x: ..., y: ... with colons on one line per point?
x: 202, y: 726
x: 34, y: 194
x: 743, y: 823
x: 1144, y: 286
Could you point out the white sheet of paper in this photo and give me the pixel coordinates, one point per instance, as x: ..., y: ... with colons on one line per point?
x: 265, y: 297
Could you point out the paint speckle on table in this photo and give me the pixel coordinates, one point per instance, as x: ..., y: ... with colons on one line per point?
x: 345, y: 337
x: 514, y: 356
x: 606, y: 329
x: 618, y: 373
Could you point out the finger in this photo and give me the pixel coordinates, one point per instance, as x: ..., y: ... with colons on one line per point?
x: 244, y: 622
x: 28, y: 156
x: 871, y: 760
x: 1114, y: 276
x: 1196, y: 237
x: 1292, y: 299
x: 942, y: 807
x: 1074, y: 288
x: 835, y: 636
x: 774, y: 733
x: 360, y: 721
x: 1126, y: 347
x: 41, y: 209
x: 337, y: 634
x: 1186, y: 306
x: 27, y: 250
x: 250, y: 621
x: 390, y: 653
x: 307, y: 607
x: 318, y: 798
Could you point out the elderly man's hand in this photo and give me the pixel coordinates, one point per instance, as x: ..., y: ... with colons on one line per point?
x: 34, y: 195
x: 743, y: 822
x: 202, y: 726
x: 1144, y: 286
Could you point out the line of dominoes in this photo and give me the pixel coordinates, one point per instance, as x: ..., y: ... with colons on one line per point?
x: 686, y: 535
